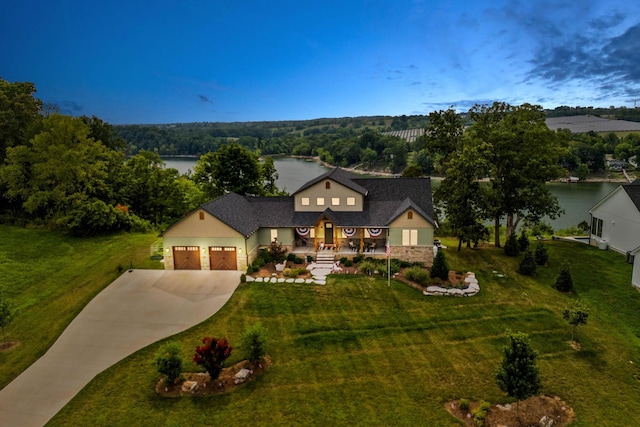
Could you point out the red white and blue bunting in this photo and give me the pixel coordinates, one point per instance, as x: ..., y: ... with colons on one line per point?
x: 349, y: 232
x: 303, y: 231
x: 375, y: 232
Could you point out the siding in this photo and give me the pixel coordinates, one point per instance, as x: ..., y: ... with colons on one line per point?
x: 621, y: 221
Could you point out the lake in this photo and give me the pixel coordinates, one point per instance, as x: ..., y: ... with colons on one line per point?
x: 575, y: 199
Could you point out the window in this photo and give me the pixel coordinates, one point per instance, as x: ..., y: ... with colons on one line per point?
x: 320, y: 201
x: 410, y: 215
x: 409, y: 237
x: 596, y: 226
x: 201, y: 215
x: 304, y: 201
x: 274, y: 234
x: 335, y: 201
x: 327, y: 185
x: 351, y: 201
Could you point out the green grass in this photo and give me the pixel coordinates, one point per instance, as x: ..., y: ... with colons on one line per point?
x: 50, y: 278
x: 359, y: 352
x: 355, y: 351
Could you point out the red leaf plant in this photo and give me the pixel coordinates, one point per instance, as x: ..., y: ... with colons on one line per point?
x: 212, y: 355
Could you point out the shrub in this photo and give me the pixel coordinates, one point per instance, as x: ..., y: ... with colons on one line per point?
x: 527, y: 265
x: 358, y: 259
x: 440, y: 269
x: 541, y: 255
x: 367, y: 267
x: 523, y: 241
x: 169, y: 361
x: 253, y: 342
x: 258, y: 262
x: 348, y: 263
x: 6, y: 311
x: 343, y: 259
x: 276, y: 252
x: 212, y: 355
x: 418, y: 275
x: 291, y: 256
x: 297, y: 260
x: 511, y: 246
x: 309, y: 258
x: 286, y: 272
x: 250, y: 269
x: 480, y: 413
x: 295, y: 272
x: 464, y: 404
x: 564, y: 282
x: 243, y: 278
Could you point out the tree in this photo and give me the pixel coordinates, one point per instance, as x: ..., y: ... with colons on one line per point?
x: 150, y: 191
x: 518, y: 375
x: 440, y: 269
x: 212, y: 355
x: 62, y: 171
x: 564, y: 282
x: 6, y: 311
x: 511, y: 247
x: 523, y: 241
x: 575, y: 314
x: 169, y: 361
x: 541, y: 255
x: 522, y: 155
x: 19, y: 114
x: 460, y: 194
x: 233, y: 168
x: 412, y: 171
x: 527, y: 265
x: 253, y: 342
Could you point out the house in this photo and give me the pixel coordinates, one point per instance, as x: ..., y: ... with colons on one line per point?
x: 615, y: 223
x: 337, y: 212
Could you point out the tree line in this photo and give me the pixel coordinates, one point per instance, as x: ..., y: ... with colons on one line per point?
x: 79, y: 174
x: 72, y: 173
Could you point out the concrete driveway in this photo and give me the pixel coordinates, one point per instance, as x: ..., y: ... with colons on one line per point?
x: 139, y: 308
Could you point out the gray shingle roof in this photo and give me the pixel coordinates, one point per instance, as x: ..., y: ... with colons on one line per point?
x: 384, y: 200
x: 633, y: 191
x: 338, y: 175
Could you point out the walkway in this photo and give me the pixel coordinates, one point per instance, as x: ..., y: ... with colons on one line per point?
x: 138, y: 309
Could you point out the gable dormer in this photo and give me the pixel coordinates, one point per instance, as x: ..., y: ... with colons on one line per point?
x: 334, y: 190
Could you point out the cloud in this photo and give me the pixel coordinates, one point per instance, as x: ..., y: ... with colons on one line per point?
x: 70, y: 108
x: 609, y: 65
x: 205, y: 99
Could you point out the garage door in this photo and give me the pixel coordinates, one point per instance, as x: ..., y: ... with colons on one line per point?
x: 223, y: 258
x: 186, y: 257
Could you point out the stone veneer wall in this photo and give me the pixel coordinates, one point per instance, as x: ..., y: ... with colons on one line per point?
x: 422, y: 254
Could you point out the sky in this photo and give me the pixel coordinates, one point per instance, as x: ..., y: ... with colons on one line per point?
x: 143, y: 62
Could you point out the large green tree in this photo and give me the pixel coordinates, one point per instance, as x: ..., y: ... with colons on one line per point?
x: 19, y: 114
x: 522, y: 155
x: 61, y: 171
x: 151, y: 190
x: 234, y: 168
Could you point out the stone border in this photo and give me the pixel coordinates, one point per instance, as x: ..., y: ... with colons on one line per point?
x: 470, y: 281
x: 317, y: 280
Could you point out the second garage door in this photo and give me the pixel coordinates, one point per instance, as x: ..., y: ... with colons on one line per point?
x: 223, y: 258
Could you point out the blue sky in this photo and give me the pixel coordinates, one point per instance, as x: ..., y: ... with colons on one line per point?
x: 189, y: 61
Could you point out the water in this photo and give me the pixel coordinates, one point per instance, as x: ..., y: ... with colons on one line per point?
x: 575, y: 199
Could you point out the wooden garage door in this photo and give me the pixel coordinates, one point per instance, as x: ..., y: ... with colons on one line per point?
x: 186, y: 257
x: 223, y: 258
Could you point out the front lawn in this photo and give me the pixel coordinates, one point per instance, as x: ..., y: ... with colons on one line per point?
x: 50, y: 278
x: 359, y: 352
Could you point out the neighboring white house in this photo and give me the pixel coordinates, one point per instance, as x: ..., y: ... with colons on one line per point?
x: 615, y: 222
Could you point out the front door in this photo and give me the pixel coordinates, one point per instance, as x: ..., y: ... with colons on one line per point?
x: 328, y: 233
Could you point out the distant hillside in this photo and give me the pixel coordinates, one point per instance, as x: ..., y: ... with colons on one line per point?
x: 583, y: 124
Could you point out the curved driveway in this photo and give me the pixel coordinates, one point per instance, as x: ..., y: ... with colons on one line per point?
x: 137, y: 309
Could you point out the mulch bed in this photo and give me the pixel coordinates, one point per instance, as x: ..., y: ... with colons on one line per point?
x: 530, y: 412
x: 225, y: 382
